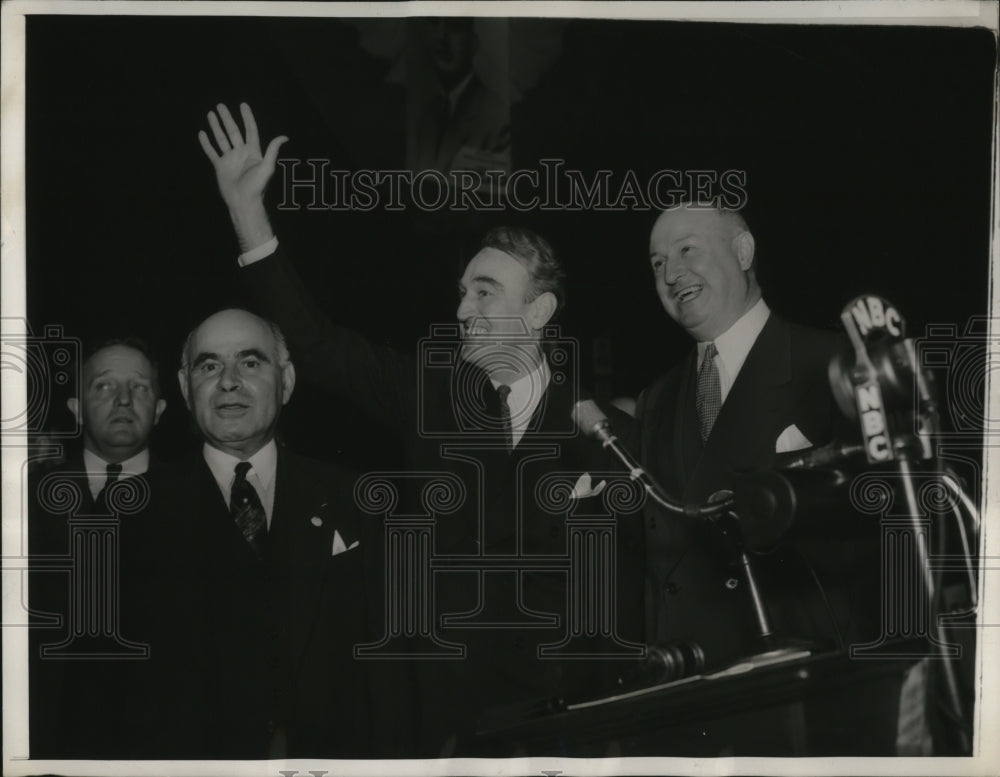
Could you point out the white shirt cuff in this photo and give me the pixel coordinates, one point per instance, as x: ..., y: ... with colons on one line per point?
x: 260, y: 252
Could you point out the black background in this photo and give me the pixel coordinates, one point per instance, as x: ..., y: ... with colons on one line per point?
x: 866, y: 150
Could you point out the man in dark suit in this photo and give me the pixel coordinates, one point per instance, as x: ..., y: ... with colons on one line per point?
x: 118, y: 405
x: 249, y: 568
x: 754, y: 387
x: 487, y: 407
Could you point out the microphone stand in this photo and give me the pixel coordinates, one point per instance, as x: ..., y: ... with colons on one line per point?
x: 786, y: 649
x: 927, y: 428
x: 718, y: 505
x: 937, y: 631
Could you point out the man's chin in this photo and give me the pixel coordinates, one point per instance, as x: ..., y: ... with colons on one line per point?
x: 124, y: 439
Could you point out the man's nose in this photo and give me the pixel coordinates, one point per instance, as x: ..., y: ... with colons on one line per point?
x: 230, y: 378
x: 673, y: 270
x: 123, y: 398
x: 466, y: 309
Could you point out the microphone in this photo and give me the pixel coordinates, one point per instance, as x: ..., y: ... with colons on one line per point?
x: 833, y: 453
x: 875, y: 383
x: 592, y: 421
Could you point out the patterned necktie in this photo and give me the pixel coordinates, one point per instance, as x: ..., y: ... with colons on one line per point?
x: 708, y: 400
x: 247, y: 510
x: 503, y: 391
x: 114, y: 470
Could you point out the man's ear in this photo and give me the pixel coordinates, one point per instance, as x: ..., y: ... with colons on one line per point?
x: 74, y: 407
x: 543, y: 307
x: 287, y: 382
x: 744, y: 249
x: 182, y: 379
x: 161, y: 405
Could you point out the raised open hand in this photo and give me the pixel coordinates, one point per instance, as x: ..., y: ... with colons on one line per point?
x: 240, y: 169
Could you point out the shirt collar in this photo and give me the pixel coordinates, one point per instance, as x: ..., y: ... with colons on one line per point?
x: 97, y: 469
x: 735, y: 343
x: 525, y: 394
x: 263, y: 464
x: 136, y: 465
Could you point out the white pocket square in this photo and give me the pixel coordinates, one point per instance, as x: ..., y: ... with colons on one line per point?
x: 791, y: 440
x: 583, y: 487
x: 339, y: 546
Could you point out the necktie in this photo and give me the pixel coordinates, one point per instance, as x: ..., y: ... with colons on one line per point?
x: 708, y: 400
x: 503, y: 391
x: 247, y: 510
x: 114, y: 470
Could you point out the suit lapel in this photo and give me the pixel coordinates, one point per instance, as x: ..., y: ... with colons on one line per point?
x: 77, y: 466
x: 687, y: 447
x: 664, y: 424
x: 300, y: 541
x: 749, y: 412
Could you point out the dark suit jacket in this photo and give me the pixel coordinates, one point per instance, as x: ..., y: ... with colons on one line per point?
x: 695, y: 590
x: 74, y: 700
x: 432, y: 409
x: 249, y: 651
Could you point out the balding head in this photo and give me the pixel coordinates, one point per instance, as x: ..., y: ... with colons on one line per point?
x: 703, y: 262
x: 235, y: 376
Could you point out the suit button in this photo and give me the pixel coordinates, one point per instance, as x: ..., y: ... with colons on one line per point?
x: 271, y: 726
x: 731, y: 583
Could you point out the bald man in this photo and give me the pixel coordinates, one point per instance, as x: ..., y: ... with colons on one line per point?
x: 753, y: 387
x: 252, y: 564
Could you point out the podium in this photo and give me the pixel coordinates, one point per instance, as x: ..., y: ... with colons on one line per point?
x: 822, y: 705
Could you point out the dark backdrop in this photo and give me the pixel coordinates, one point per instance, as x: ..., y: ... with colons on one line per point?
x: 866, y: 150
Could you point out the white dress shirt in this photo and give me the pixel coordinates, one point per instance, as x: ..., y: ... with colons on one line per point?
x: 97, y: 469
x: 734, y: 344
x: 525, y: 395
x: 262, y: 251
x: 261, y: 475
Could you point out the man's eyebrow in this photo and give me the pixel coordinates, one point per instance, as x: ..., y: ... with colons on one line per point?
x: 256, y: 353
x: 203, y: 357
x: 488, y: 280
x: 95, y: 376
x: 675, y: 241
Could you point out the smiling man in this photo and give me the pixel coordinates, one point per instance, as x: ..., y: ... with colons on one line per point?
x: 486, y: 411
x: 754, y: 387
x: 702, y: 260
